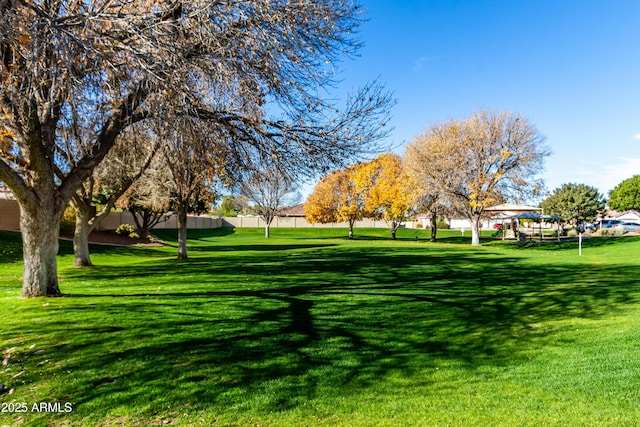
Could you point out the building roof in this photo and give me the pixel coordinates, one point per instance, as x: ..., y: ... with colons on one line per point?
x: 534, y: 215
x: 512, y: 207
x: 297, y: 210
x: 632, y: 212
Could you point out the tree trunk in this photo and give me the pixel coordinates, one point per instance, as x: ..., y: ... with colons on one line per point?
x: 140, y: 226
x: 268, y: 219
x: 143, y: 219
x: 40, y: 226
x: 351, y: 224
x: 394, y: 228
x: 82, y: 257
x: 182, y: 230
x: 434, y: 226
x: 475, y: 230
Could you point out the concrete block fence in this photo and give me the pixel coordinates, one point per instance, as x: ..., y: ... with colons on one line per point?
x: 10, y: 220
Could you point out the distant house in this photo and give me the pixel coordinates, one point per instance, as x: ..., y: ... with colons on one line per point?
x: 9, y: 210
x: 296, y: 211
x: 494, y: 215
x: 632, y: 215
x: 510, y: 209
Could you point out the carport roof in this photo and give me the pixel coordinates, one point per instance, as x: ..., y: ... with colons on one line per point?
x: 533, y: 215
x: 512, y: 207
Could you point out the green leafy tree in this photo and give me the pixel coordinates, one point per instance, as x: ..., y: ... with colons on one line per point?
x: 626, y: 195
x: 241, y: 205
x: 575, y: 203
x: 227, y: 207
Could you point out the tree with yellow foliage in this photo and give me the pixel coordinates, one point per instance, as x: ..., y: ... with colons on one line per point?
x: 389, y: 192
x: 336, y: 199
x: 480, y: 161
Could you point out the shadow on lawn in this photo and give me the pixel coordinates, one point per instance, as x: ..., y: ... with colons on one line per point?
x: 260, y: 247
x: 285, y: 328
x: 267, y: 332
x: 566, y: 244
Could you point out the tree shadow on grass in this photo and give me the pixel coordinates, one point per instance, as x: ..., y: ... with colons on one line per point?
x: 11, y: 248
x: 463, y: 240
x: 270, y: 247
x: 268, y: 332
x: 195, y: 234
x: 589, y: 242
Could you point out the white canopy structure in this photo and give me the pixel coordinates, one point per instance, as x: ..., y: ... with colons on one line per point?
x: 538, y: 218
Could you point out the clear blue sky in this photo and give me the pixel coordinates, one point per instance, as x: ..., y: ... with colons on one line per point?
x: 571, y: 67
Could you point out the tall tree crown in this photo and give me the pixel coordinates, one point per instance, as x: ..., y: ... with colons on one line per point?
x: 575, y: 203
x: 479, y: 161
x: 626, y: 195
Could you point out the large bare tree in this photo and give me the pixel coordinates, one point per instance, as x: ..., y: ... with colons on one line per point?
x: 479, y: 161
x: 94, y: 68
x: 270, y: 190
x: 194, y: 158
x: 148, y: 199
x: 430, y: 193
x: 95, y: 198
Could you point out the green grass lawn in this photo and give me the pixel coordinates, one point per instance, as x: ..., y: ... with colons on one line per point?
x: 309, y: 328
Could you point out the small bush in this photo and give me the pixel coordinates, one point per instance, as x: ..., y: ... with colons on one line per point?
x: 125, y: 229
x: 442, y: 225
x: 134, y: 235
x: 417, y: 224
x: 615, y: 231
x: 68, y: 224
